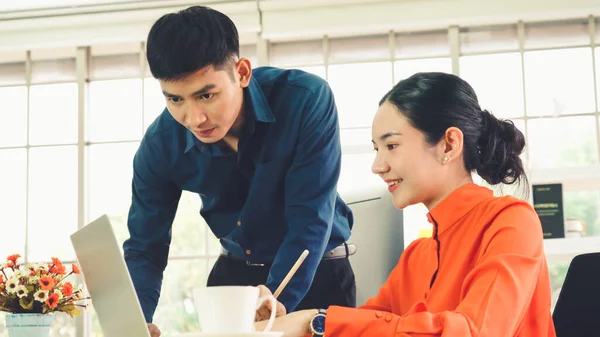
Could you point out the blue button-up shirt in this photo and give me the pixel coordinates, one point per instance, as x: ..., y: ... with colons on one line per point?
x: 266, y: 203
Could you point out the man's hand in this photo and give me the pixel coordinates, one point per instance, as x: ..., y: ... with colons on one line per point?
x: 296, y: 324
x: 154, y: 331
x: 264, y: 312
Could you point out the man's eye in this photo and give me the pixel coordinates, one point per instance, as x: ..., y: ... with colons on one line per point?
x: 206, y: 97
x: 175, y: 99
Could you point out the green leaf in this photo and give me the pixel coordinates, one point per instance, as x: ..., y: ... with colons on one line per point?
x: 71, y: 310
x: 26, y: 303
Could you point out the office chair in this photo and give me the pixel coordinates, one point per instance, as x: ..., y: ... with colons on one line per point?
x: 577, y: 310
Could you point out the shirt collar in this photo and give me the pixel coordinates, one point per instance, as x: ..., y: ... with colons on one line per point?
x: 256, y: 105
x: 456, y: 205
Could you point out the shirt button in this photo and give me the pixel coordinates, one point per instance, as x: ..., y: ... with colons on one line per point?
x: 388, y: 318
x: 378, y: 314
x: 248, y: 252
x: 239, y: 223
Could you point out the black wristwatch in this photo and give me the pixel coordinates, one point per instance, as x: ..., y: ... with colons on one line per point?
x: 317, y: 324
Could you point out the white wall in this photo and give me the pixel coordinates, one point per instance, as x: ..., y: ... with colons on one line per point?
x: 275, y: 19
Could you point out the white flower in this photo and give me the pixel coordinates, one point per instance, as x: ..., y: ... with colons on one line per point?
x: 41, y: 295
x: 34, y: 280
x: 22, y: 291
x: 19, y: 273
x: 42, y: 266
x: 12, y: 285
x: 59, y: 294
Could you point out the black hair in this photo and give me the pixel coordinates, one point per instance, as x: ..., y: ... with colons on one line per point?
x: 184, y: 42
x: 433, y: 102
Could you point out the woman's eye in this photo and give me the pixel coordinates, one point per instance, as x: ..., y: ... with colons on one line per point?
x: 391, y: 146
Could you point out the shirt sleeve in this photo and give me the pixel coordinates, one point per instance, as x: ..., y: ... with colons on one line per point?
x: 154, y: 204
x: 310, y: 194
x: 505, y: 276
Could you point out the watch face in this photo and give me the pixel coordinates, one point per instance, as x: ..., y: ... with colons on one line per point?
x: 318, y: 324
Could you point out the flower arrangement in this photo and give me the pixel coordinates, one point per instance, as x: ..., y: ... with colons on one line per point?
x: 38, y: 288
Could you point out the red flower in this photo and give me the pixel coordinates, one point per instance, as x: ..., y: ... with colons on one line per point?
x: 59, y: 269
x: 10, y: 264
x: 56, y: 261
x: 13, y: 258
x: 52, y: 301
x: 46, y: 282
x: 67, y: 289
x: 76, y: 269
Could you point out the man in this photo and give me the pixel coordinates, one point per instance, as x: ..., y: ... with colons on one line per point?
x: 262, y: 150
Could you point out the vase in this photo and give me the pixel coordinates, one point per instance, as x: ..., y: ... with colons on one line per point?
x: 29, y: 325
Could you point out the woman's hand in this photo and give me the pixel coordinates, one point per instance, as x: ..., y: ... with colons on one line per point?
x: 296, y: 324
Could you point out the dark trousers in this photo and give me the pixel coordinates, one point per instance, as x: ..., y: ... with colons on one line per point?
x: 333, y: 284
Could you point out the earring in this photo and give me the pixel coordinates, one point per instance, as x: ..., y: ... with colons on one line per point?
x: 446, y: 159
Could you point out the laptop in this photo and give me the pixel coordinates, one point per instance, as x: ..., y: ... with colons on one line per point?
x: 107, y: 279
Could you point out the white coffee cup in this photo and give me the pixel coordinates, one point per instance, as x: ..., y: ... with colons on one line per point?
x: 230, y: 309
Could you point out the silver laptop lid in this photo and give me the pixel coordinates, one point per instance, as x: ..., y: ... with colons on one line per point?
x: 108, y: 281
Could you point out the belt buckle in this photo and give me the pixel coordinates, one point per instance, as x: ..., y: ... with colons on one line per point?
x: 250, y: 264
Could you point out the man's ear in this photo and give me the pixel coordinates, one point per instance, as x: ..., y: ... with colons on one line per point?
x: 243, y: 70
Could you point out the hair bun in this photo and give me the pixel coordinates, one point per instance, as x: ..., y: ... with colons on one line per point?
x: 499, y: 146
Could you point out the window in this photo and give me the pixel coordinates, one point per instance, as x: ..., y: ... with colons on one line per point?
x: 584, y: 205
x: 154, y: 101
x: 358, y: 88
x: 357, y: 138
x: 115, y: 112
x: 53, y: 65
x: 406, y: 68
x: 109, y: 173
x: 13, y: 198
x: 356, y: 177
x: 12, y: 68
x: 13, y: 116
x: 52, y: 211
x: 553, y: 89
x: 53, y: 114
x: 361, y: 49
x: 249, y: 51
x: 498, y: 81
x: 562, y: 142
x: 299, y: 53
x: 115, y: 61
x: 488, y: 39
x: 427, y: 44
x: 597, y: 54
x: 557, y: 34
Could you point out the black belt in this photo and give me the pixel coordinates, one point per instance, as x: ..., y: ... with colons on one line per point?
x: 340, y: 252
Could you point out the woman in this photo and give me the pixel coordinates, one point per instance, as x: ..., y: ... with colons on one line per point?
x: 483, y: 272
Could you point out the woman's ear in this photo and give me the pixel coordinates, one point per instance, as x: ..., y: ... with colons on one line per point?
x: 451, y: 146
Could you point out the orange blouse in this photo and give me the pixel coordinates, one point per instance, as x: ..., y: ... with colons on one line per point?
x: 482, y: 273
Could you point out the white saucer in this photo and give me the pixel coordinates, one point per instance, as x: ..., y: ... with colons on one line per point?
x: 237, y: 334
